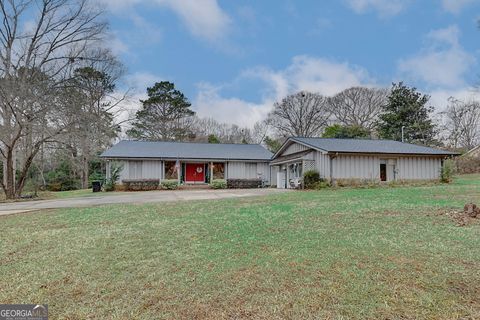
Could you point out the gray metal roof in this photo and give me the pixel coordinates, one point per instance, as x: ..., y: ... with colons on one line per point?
x: 369, y: 146
x: 187, y: 150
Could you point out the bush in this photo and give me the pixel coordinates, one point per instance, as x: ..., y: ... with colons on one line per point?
x: 141, y: 184
x: 244, y: 183
x: 219, y: 184
x: 322, y: 184
x: 169, y: 184
x: 115, y: 170
x: 465, y: 165
x: 447, y: 171
x: 310, y: 179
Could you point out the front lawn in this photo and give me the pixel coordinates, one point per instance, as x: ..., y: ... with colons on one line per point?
x: 382, y: 253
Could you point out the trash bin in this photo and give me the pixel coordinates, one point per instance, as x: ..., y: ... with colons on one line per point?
x: 96, y: 186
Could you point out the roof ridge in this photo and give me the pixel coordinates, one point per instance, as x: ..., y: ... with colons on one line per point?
x: 191, y: 142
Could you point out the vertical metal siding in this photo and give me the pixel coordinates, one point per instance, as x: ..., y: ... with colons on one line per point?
x: 247, y: 170
x: 294, y: 148
x: 152, y: 169
x: 419, y: 168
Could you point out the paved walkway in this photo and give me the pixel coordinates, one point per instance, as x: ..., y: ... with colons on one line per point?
x: 132, y: 197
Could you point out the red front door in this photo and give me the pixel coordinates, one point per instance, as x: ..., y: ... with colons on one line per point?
x: 195, y: 172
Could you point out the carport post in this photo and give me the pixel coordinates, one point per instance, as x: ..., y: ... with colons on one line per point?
x: 211, y: 172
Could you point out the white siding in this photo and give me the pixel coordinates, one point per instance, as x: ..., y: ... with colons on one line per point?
x: 418, y: 168
x: 247, y: 170
x: 152, y: 169
x: 368, y: 167
x: 294, y: 148
x: 356, y: 167
x: 322, y: 164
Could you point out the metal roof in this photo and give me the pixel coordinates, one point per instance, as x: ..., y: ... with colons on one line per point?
x: 186, y: 150
x: 368, y: 146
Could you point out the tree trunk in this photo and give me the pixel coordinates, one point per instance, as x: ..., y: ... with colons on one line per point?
x: 9, y: 175
x: 84, y: 172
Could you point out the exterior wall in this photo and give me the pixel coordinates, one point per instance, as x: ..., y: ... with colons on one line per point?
x: 368, y: 167
x: 152, y: 169
x: 421, y: 168
x: 322, y: 164
x: 356, y: 167
x: 247, y: 170
x: 294, y: 148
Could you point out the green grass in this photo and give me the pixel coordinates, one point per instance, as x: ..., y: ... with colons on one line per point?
x: 382, y: 253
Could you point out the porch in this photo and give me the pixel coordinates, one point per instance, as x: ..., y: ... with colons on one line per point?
x: 194, y: 172
x: 290, y: 169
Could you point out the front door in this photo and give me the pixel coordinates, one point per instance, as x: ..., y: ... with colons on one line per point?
x: 194, y: 172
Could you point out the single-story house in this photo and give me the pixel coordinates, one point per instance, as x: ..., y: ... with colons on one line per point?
x: 190, y: 163
x: 349, y: 159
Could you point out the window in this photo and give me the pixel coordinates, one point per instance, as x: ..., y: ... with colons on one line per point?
x: 170, y: 170
x: 219, y: 171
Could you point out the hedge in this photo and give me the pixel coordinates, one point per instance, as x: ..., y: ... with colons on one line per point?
x: 140, y: 184
x: 244, y: 183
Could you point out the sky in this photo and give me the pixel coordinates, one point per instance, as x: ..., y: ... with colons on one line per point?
x: 234, y: 59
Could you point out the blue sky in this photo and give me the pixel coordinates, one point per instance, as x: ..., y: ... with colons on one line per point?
x: 233, y: 59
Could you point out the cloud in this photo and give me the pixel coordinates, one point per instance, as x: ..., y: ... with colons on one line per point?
x: 384, y: 8
x: 442, y: 62
x: 304, y: 73
x: 456, y: 6
x: 203, y: 18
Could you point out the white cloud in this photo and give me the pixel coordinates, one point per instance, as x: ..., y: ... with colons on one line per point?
x: 442, y: 62
x: 456, y: 6
x: 203, y: 18
x: 304, y: 73
x: 384, y: 8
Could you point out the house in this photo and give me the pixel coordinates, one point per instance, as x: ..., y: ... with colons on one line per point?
x: 356, y: 159
x: 190, y: 163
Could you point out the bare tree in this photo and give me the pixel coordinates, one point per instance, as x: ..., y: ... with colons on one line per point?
x: 36, y: 62
x: 302, y: 114
x: 358, y: 106
x: 463, y: 123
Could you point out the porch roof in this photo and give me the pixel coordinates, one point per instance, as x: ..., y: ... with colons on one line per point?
x: 290, y: 157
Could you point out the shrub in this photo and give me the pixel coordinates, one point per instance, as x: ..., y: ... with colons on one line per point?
x: 169, y: 184
x: 310, y: 179
x: 244, y: 183
x: 467, y: 165
x: 447, y: 171
x: 219, y: 184
x: 141, y: 184
x: 115, y: 170
x: 322, y: 184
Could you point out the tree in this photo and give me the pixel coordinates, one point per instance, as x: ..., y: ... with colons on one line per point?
x: 213, y: 139
x: 303, y: 114
x: 358, y: 106
x: 272, y: 144
x: 36, y: 62
x: 346, y: 132
x: 165, y: 115
x: 463, y: 123
x: 94, y: 126
x: 406, y: 107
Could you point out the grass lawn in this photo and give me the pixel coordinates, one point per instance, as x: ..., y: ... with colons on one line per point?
x: 45, y: 195
x: 383, y: 253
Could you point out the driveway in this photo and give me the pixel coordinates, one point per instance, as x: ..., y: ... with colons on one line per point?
x: 133, y: 197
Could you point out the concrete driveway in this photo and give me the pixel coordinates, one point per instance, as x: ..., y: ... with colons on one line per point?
x: 132, y: 197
